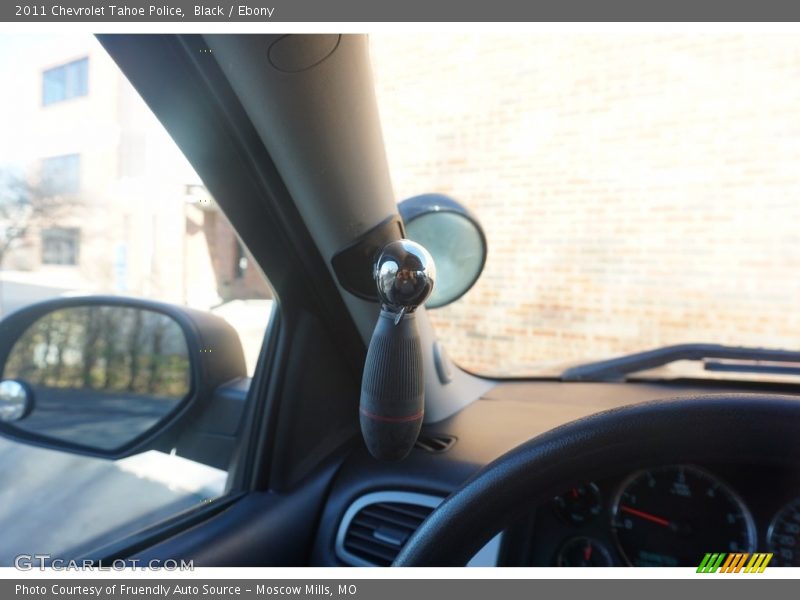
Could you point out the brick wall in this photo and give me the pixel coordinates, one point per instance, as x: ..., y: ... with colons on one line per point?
x: 636, y: 190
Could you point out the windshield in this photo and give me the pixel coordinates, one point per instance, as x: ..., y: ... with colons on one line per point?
x: 636, y: 191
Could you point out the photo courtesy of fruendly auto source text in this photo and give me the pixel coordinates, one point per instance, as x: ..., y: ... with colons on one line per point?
x: 373, y: 300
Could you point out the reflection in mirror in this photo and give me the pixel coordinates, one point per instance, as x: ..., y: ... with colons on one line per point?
x: 16, y: 400
x: 454, y: 238
x: 101, y: 375
x: 458, y: 252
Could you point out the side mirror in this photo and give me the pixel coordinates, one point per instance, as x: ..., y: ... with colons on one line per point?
x: 111, y: 376
x: 454, y: 238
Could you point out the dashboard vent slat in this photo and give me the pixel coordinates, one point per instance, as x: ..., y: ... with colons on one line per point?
x: 435, y: 443
x: 377, y: 555
x: 369, y: 537
x: 372, y: 533
x: 412, y: 510
x: 388, y: 516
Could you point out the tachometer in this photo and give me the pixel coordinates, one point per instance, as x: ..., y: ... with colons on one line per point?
x: 784, y: 535
x: 673, y: 516
x: 580, y: 504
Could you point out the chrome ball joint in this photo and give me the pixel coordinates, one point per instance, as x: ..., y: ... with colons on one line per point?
x: 405, y: 275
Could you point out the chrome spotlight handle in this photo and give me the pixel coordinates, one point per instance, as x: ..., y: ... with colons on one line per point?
x: 393, y: 388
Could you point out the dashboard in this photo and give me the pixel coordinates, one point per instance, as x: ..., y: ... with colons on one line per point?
x: 664, y: 515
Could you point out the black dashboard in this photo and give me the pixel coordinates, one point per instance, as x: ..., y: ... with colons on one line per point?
x: 665, y: 515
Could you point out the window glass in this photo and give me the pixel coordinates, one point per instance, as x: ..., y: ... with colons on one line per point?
x: 636, y: 191
x: 60, y: 246
x: 96, y: 198
x: 66, y: 81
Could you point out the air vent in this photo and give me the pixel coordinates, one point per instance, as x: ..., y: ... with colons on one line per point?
x: 376, y: 526
x: 435, y: 443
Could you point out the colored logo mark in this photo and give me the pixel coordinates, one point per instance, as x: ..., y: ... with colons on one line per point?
x: 735, y: 562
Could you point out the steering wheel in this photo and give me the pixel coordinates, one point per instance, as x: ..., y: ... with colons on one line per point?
x: 744, y: 428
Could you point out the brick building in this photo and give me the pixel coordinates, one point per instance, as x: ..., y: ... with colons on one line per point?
x: 636, y: 190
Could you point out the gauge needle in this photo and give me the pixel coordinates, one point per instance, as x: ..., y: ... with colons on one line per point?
x: 646, y: 516
x: 587, y: 552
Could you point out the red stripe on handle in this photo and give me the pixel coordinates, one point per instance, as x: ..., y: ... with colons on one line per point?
x: 384, y: 419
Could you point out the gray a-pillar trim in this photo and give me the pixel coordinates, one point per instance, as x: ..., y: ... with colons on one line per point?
x: 312, y: 100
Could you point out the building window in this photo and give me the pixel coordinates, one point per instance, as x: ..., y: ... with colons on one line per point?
x: 66, y: 81
x: 61, y: 174
x: 60, y: 246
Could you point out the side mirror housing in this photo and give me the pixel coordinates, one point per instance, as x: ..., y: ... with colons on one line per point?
x: 110, y: 376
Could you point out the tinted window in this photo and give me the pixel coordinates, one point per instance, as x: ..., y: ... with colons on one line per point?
x: 130, y: 216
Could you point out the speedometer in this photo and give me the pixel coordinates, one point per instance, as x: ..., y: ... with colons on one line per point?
x: 783, y: 538
x: 673, y: 516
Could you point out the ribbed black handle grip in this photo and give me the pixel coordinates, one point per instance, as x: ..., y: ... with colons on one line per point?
x: 392, y: 388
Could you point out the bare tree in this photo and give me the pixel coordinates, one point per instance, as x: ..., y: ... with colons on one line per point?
x: 24, y: 205
x: 135, y: 349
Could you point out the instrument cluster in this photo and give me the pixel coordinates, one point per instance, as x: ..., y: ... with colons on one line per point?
x: 671, y: 515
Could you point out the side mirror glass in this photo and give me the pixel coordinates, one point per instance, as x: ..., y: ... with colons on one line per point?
x: 101, y: 376
x: 454, y: 238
